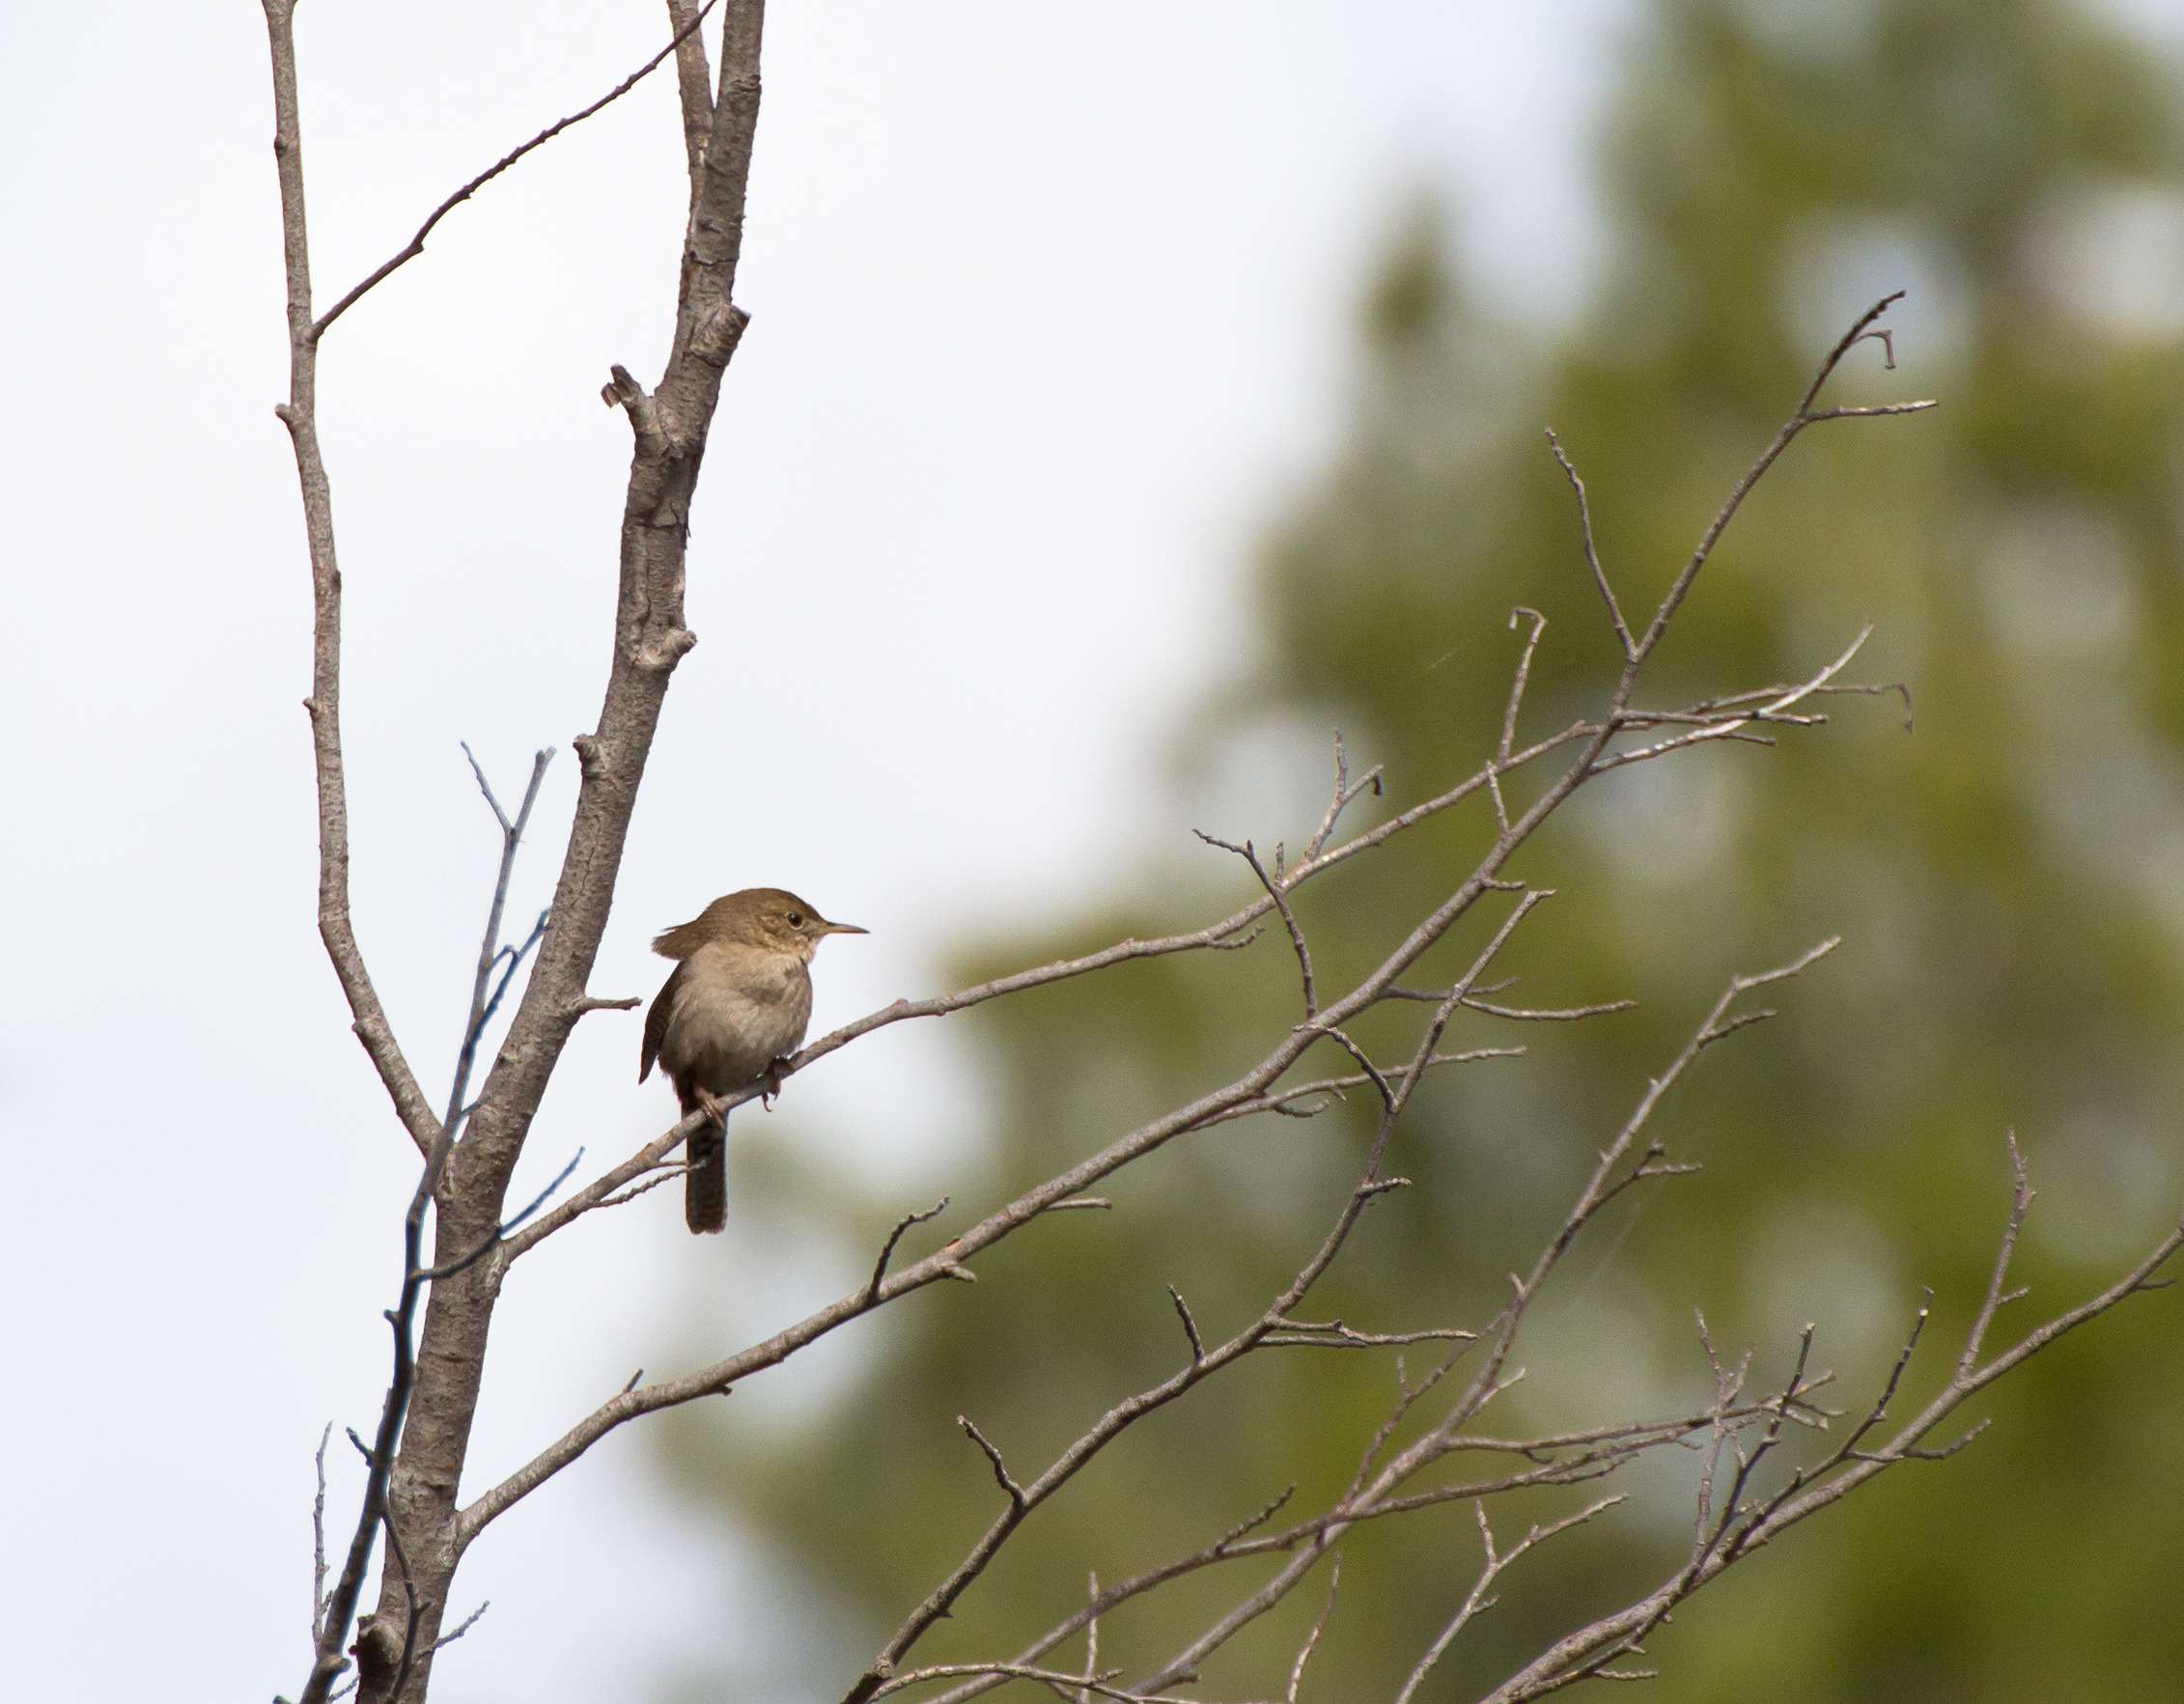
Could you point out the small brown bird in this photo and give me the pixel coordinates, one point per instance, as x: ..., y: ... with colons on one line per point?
x: 733, y: 1006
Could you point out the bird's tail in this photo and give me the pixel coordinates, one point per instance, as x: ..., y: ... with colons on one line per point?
x: 705, y: 1185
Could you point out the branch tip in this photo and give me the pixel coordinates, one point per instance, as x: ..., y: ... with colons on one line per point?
x: 1190, y: 1326
x: 888, y: 1248
x: 1016, y: 1494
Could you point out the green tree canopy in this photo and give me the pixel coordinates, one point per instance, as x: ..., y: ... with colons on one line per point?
x: 2008, y: 878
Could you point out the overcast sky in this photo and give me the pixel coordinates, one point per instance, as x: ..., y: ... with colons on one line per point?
x: 1052, y: 308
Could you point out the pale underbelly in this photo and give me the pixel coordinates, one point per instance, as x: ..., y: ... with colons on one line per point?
x: 722, y: 1043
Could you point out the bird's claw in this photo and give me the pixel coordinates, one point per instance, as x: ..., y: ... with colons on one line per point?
x: 769, y: 1084
x: 713, y: 1106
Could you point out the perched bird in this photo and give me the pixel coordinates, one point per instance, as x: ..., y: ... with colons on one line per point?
x: 733, y: 1006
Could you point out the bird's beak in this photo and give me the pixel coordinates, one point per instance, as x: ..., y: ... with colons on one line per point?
x: 842, y: 929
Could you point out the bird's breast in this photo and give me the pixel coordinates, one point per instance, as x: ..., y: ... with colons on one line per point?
x: 737, y: 1010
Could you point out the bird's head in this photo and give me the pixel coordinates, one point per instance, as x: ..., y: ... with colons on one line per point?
x: 767, y: 917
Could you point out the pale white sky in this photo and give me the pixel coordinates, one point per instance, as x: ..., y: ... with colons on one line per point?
x: 1052, y: 308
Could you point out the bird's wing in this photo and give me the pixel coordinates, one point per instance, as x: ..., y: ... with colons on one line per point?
x: 656, y: 1019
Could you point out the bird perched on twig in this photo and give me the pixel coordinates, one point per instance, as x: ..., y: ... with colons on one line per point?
x: 733, y: 1006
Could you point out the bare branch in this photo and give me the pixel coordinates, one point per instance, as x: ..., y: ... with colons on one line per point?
x: 485, y: 999
x: 1549, y: 1014
x: 1329, y: 1088
x: 1189, y: 1324
x: 1312, y: 1639
x: 1797, y: 423
x: 1067, y: 1686
x: 1342, y: 797
x: 1869, y: 413
x: 693, y: 86
x: 463, y: 1626
x: 666, y: 1173
x: 1334, y: 1334
x: 993, y: 1455
x: 895, y: 1235
x: 1218, y: 934
x: 590, y: 1003
x: 1487, y: 1382
x: 1593, y: 556
x: 1733, y: 727
x: 2020, y: 1204
x: 948, y: 1262
x: 1091, y: 1641
x: 331, y: 1622
x: 1520, y: 1014
x: 1519, y: 681
x: 416, y: 244
x: 300, y: 414
x: 1273, y: 888
x: 1603, y: 1449
x: 1477, y: 1599
x: 1735, y: 1432
x: 601, y: 1190
x: 1517, y: 684
x: 318, y: 1537
x: 500, y: 1234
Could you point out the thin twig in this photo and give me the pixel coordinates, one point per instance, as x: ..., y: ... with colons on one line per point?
x: 416, y: 244
x: 895, y: 1235
x: 1593, y: 556
x: 1517, y: 683
x: 993, y: 1455
x: 664, y: 1174
x: 463, y: 1626
x: 1334, y: 1334
x: 1312, y: 1639
x: 1249, y: 854
x: 1189, y: 1324
x: 1067, y: 1686
x: 1802, y: 417
x: 1341, y: 800
x: 1477, y: 1600
x: 319, y: 1537
x: 500, y: 1233
x: 1091, y: 1641
x: 1330, y: 1087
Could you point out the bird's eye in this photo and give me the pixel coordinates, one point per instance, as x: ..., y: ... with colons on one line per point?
x: 795, y: 919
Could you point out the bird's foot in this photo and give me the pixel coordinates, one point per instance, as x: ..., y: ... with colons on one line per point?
x: 712, y: 1105
x: 769, y: 1083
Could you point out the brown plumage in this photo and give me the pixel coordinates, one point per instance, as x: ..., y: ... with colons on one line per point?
x: 737, y: 1002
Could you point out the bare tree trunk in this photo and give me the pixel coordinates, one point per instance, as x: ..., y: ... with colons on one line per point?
x: 649, y: 640
x: 670, y: 428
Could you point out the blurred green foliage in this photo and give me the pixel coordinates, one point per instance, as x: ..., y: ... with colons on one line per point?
x: 2008, y: 880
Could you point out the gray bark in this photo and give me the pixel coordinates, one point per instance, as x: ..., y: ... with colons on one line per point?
x: 670, y: 428
x: 649, y: 640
